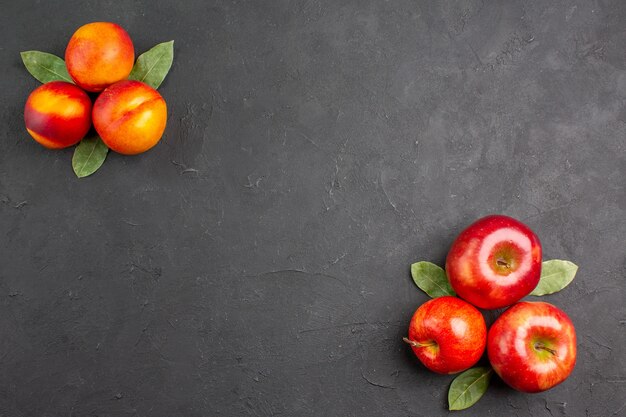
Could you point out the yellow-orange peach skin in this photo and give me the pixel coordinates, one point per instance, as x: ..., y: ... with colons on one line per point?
x: 58, y: 114
x: 130, y: 117
x: 99, y: 54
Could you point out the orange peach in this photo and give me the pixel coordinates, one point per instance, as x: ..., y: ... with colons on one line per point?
x: 99, y: 54
x: 58, y: 114
x: 130, y: 117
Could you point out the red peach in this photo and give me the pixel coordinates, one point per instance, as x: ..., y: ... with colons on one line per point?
x: 58, y: 114
x: 98, y: 55
x: 130, y: 117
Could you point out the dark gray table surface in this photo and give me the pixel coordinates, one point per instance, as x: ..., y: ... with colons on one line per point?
x: 256, y: 262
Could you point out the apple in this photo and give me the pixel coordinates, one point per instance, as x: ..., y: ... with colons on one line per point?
x: 532, y: 346
x: 447, y: 334
x: 495, y: 262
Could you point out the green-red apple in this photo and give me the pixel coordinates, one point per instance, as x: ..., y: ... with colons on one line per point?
x: 495, y: 262
x: 447, y: 334
x: 532, y: 346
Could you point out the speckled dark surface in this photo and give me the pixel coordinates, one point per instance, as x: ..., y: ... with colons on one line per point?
x: 257, y: 261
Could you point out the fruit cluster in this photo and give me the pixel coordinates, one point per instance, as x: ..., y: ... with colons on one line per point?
x: 493, y: 264
x: 129, y: 115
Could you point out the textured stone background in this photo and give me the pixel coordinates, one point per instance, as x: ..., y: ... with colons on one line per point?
x: 257, y: 261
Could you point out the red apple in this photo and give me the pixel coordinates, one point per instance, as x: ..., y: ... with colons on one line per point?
x: 532, y: 346
x: 447, y: 334
x: 495, y: 262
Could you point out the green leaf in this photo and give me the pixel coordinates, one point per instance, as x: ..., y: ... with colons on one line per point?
x: 431, y: 279
x: 152, y: 66
x: 555, y: 275
x: 469, y: 387
x: 89, y: 155
x: 45, y: 67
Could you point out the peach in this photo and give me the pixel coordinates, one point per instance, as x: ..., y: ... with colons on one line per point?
x: 99, y: 54
x: 58, y: 114
x: 130, y: 117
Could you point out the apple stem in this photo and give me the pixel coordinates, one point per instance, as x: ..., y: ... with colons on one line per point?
x: 418, y: 344
x: 502, y: 262
x: 541, y: 346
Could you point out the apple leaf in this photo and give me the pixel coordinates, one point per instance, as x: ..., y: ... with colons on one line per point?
x: 469, y: 387
x: 45, y: 67
x: 555, y: 275
x: 152, y: 66
x: 431, y: 279
x: 89, y: 156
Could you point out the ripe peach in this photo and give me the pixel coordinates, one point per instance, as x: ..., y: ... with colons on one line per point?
x: 130, y: 117
x: 98, y: 55
x: 58, y: 114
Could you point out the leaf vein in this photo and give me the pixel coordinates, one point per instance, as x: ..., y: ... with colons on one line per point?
x: 156, y: 61
x: 93, y: 149
x: 52, y: 72
x: 470, y: 385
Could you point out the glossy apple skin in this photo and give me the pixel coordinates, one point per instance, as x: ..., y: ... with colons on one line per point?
x: 495, y: 262
x: 532, y: 346
x: 452, y: 333
x: 57, y: 114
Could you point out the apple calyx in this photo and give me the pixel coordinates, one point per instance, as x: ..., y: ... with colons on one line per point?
x: 413, y: 343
